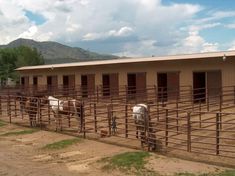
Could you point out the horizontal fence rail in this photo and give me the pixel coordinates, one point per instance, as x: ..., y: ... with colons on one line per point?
x: 204, y: 126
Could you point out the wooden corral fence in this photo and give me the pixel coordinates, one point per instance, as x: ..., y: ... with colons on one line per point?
x: 204, y: 126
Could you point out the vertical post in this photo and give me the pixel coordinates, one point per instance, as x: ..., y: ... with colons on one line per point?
x: 147, y: 126
x: 0, y: 105
x: 217, y: 133
x: 158, y: 113
x: 126, y: 121
x: 95, y: 118
x: 109, y: 118
x: 83, y: 123
x: 234, y: 94
x: 200, y: 114
x: 15, y: 107
x: 49, y: 113
x: 39, y: 111
x: 9, y: 107
x: 166, y: 128
x: 97, y: 93
x: 177, y: 116
x: 189, y: 132
x: 221, y: 103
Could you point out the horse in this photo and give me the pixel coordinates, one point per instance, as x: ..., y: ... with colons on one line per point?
x: 31, y: 108
x: 141, y: 118
x: 65, y: 107
x: 139, y: 113
x: 22, y: 100
x: 30, y: 105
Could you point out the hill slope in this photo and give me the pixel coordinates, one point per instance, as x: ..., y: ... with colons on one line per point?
x: 54, y: 52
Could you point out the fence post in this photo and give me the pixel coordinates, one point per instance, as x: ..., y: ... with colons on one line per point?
x: 200, y: 114
x: 166, y: 130
x: 49, y: 113
x: 234, y: 93
x: 0, y: 105
x: 9, y: 107
x: 83, y: 120
x: 217, y: 133
x: 15, y: 107
x: 126, y: 120
x: 189, y: 132
x: 39, y: 112
x: 95, y: 117
x: 177, y: 115
x: 109, y: 118
x: 221, y: 103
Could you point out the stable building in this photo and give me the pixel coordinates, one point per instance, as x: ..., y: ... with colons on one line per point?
x: 214, y: 71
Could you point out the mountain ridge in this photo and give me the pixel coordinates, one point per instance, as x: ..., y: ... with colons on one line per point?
x: 55, y: 53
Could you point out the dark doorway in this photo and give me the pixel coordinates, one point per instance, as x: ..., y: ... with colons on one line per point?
x: 52, y: 83
x: 35, y: 81
x: 66, y: 81
x: 22, y: 80
x: 106, y: 85
x: 214, y: 85
x: 199, y: 87
x: 162, y: 86
x: 131, y: 85
x: 84, y: 85
x: 25, y: 81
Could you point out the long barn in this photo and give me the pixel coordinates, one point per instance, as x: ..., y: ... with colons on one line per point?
x: 205, y: 73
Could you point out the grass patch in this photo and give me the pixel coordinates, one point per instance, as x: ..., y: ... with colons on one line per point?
x: 129, y: 162
x: 23, y: 132
x: 2, y: 123
x: 184, y: 174
x: 227, y: 173
x: 224, y: 173
x: 62, y: 144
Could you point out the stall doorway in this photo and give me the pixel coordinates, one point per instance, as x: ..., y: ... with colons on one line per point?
x: 199, y: 87
x: 87, y: 84
x: 106, y: 84
x: 162, y: 86
x: 136, y: 85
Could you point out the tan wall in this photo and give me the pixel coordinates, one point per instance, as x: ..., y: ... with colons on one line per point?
x: 151, y: 68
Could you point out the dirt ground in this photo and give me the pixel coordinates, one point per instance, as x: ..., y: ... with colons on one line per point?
x: 23, y: 155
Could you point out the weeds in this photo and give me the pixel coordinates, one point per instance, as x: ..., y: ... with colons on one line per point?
x: 62, y: 144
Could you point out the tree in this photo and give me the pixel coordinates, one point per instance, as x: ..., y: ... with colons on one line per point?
x: 11, y: 58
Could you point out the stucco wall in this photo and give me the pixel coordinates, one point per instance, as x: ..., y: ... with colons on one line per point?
x: 185, y: 67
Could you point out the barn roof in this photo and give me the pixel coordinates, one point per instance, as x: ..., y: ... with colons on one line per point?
x: 133, y: 60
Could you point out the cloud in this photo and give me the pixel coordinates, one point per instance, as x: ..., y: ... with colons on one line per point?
x: 232, y: 45
x: 133, y: 27
x: 29, y: 33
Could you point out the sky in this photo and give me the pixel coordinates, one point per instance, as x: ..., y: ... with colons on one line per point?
x: 134, y: 28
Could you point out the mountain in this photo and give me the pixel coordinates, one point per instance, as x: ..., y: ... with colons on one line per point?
x: 55, y: 53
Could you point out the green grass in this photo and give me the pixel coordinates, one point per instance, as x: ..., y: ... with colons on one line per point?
x: 23, y: 132
x: 62, y: 144
x: 2, y: 123
x: 128, y: 161
x: 227, y: 173
x: 224, y: 173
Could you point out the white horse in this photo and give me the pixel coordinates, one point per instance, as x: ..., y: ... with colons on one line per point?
x: 140, y: 113
x: 65, y: 107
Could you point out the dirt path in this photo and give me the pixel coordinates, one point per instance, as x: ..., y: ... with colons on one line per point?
x: 23, y: 155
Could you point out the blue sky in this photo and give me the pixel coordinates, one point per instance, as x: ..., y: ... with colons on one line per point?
x: 123, y: 27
